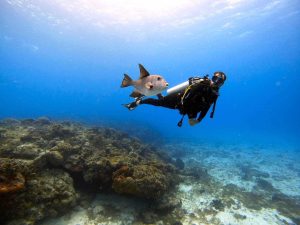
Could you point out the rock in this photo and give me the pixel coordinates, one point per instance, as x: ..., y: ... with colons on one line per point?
x: 10, y: 167
x: 167, y: 204
x: 10, y: 122
x: 140, y: 180
x: 149, y: 217
x: 179, y: 164
x: 26, y: 151
x: 22, y: 151
x: 177, y: 223
x: 197, y: 172
x: 47, y: 154
x: 59, y: 131
x: 288, y: 205
x: 279, y: 197
x: 54, y: 158
x: 11, y: 183
x: 20, y: 222
x: 42, y: 121
x: 46, y: 192
x: 98, y: 210
x: 265, y: 185
x: 239, y: 216
x: 217, y: 204
x: 250, y: 173
x: 90, y: 213
x: 27, y: 122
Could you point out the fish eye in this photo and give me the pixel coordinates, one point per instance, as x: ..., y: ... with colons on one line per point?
x: 159, y: 78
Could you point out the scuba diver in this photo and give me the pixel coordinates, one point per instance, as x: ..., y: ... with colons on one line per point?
x: 191, y: 97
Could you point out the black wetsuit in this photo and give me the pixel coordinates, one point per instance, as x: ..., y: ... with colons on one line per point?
x: 199, y: 98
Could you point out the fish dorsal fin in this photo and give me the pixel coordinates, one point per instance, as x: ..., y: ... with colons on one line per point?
x: 143, y: 72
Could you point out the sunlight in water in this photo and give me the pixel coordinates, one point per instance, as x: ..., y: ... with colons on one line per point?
x: 147, y: 16
x: 107, y: 12
x: 104, y: 13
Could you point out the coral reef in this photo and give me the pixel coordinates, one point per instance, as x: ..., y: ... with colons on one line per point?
x: 142, y: 180
x: 11, y: 183
x: 45, y: 164
x: 48, y: 193
x: 77, y: 174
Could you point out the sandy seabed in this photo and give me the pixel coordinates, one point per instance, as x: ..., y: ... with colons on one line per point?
x: 222, y: 185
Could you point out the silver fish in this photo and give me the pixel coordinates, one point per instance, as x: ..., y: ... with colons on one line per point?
x: 146, y: 85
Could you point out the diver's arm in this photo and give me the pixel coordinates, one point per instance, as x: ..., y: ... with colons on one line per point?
x: 205, y: 110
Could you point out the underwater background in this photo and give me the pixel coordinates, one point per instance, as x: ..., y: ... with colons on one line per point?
x: 65, y: 60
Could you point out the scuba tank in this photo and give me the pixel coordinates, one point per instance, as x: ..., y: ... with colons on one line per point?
x: 178, y: 88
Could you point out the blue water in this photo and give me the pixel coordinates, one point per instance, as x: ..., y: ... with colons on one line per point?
x: 66, y: 60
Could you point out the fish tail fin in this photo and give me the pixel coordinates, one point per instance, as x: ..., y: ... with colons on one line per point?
x: 127, y: 81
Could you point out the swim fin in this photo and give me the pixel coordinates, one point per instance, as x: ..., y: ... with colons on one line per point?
x: 130, y: 106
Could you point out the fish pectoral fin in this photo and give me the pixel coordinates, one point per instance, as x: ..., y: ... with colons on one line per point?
x: 149, y: 85
x: 136, y: 94
x: 143, y: 72
x: 160, y: 96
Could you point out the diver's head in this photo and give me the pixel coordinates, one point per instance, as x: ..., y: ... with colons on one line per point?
x: 218, y: 78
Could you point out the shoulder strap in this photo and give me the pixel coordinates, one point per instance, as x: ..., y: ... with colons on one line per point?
x: 186, y: 93
x: 193, y: 82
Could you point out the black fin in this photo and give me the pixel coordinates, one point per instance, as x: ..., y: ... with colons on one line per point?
x: 136, y: 94
x: 160, y: 96
x: 130, y: 106
x: 143, y: 72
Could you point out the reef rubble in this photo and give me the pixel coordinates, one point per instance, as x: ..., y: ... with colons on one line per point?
x: 45, y: 165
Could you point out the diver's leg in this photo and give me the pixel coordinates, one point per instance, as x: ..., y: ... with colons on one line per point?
x: 192, y: 118
x: 151, y: 101
x: 193, y: 121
